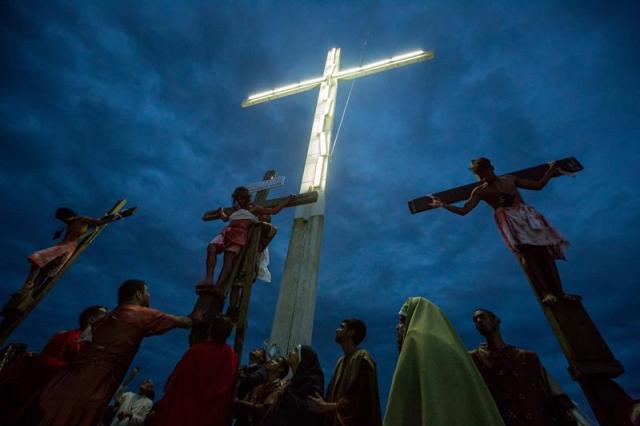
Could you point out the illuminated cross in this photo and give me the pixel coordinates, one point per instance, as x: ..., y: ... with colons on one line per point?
x: 293, y: 322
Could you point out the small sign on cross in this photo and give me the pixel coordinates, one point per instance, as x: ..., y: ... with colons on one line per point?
x: 274, y: 182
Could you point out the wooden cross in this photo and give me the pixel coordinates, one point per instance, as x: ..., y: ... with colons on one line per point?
x: 239, y: 283
x: 591, y: 362
x: 461, y: 193
x: 46, y: 285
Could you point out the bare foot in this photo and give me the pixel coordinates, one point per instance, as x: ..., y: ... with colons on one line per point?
x: 572, y: 297
x: 549, y: 299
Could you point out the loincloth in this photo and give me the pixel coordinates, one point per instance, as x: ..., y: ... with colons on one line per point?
x: 60, y: 253
x: 233, y: 237
x: 523, y: 225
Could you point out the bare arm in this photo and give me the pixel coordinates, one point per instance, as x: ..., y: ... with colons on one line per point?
x: 469, y: 205
x: 108, y: 218
x: 223, y: 216
x: 119, y: 394
x: 183, y: 322
x: 259, y: 210
x: 537, y: 184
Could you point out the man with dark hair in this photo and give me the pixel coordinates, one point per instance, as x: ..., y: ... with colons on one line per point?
x: 80, y: 395
x: 352, y: 395
x: 199, y: 392
x: 516, y: 379
x: 134, y: 406
x: 49, y: 261
x: 23, y: 384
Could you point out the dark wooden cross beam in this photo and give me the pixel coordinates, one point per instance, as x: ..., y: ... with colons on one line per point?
x: 591, y: 362
x: 299, y: 199
x: 461, y: 193
x: 243, y: 275
x: 44, y: 286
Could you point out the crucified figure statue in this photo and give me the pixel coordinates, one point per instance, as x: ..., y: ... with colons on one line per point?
x: 525, y: 231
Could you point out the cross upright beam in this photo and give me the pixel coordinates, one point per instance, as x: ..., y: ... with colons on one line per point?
x: 293, y: 322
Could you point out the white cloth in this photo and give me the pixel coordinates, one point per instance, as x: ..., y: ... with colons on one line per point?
x: 138, y: 405
x: 523, y: 225
x: 263, y: 266
x: 243, y: 214
x: 263, y: 257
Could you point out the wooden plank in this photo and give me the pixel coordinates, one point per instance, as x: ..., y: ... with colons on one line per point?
x: 261, y: 196
x: 583, y: 345
x: 8, y: 325
x: 247, y: 279
x: 300, y: 199
x: 462, y: 193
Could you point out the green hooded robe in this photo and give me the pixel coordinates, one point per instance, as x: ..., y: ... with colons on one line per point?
x: 436, y: 383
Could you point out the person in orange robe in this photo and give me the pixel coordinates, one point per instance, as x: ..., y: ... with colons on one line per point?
x: 23, y: 383
x: 199, y: 392
x: 80, y: 395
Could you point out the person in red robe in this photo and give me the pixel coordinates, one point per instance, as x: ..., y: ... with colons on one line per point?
x: 199, y: 392
x: 79, y: 396
x: 23, y: 383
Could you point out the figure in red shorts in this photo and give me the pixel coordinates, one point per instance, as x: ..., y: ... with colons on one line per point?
x: 232, y: 239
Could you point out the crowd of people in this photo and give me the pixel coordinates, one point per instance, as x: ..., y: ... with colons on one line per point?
x: 436, y: 381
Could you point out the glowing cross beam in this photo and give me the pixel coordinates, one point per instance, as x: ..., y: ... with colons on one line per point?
x: 348, y: 74
x: 293, y: 322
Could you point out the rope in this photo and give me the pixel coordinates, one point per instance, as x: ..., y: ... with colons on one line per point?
x: 353, y: 82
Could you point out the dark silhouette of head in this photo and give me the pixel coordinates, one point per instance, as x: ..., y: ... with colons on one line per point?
x: 486, y: 322
x: 133, y: 291
x: 258, y: 356
x: 90, y: 315
x: 278, y: 367
x: 147, y: 388
x: 65, y: 214
x: 353, y: 329
x: 220, y: 329
x: 482, y: 168
x: 241, y: 196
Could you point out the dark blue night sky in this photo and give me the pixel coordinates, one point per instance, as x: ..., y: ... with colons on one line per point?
x: 141, y: 100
